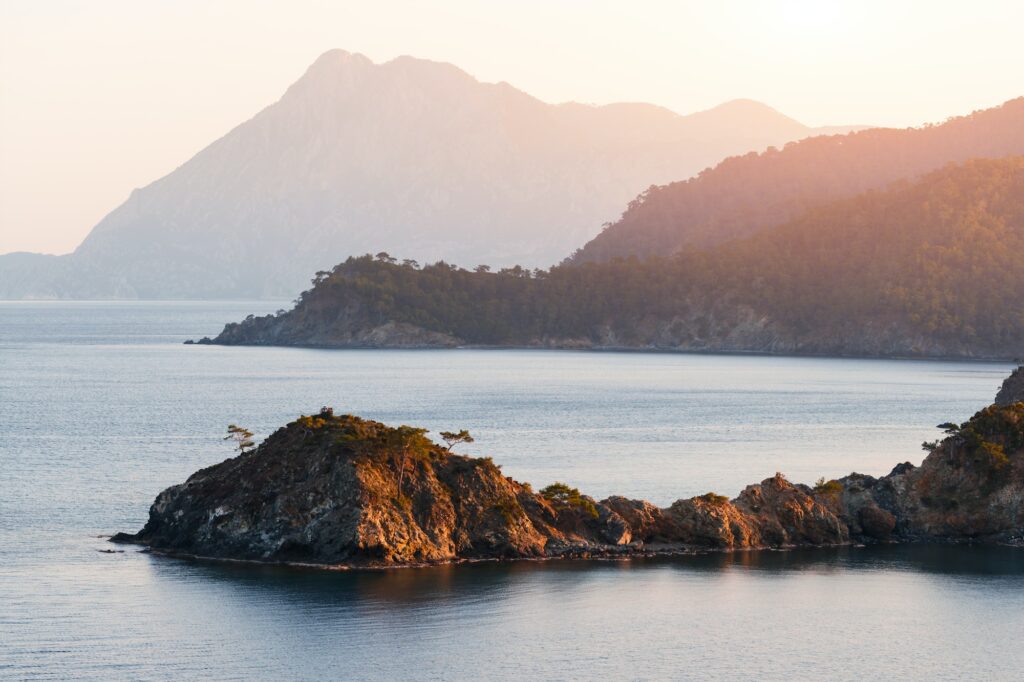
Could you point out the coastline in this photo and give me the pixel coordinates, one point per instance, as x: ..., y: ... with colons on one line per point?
x: 624, y: 556
x: 622, y: 349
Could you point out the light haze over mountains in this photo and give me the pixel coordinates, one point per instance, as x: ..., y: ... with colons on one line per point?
x: 412, y: 157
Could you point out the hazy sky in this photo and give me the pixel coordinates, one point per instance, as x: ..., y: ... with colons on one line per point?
x: 98, y: 97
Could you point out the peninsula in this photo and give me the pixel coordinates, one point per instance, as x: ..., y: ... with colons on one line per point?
x: 923, y: 269
x: 345, y: 492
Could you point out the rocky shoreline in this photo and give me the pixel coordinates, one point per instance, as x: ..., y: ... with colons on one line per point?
x: 342, y: 492
x: 576, y: 345
x: 743, y: 337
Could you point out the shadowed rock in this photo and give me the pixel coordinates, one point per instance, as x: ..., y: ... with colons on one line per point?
x: 1012, y: 390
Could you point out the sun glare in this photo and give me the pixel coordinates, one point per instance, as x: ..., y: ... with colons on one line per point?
x: 803, y: 17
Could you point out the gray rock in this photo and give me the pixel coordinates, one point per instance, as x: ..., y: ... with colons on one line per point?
x: 1012, y: 390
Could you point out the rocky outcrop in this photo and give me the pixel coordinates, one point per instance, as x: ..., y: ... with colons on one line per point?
x: 971, y: 487
x: 332, y: 490
x: 1012, y: 390
x: 293, y: 329
x: 343, y: 491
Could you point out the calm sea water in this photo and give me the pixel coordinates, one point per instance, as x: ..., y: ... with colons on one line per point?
x: 101, y: 407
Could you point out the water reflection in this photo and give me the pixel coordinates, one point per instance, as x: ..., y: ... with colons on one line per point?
x: 470, y: 583
x: 787, y: 615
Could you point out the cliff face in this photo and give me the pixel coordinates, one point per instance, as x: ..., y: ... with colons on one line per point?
x: 343, y: 491
x: 1012, y: 390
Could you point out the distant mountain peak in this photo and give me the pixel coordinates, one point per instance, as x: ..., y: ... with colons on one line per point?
x: 743, y: 104
x: 427, y: 68
x: 337, y: 58
x: 739, y: 111
x: 340, y: 71
x: 410, y: 156
x: 338, y: 61
x: 329, y: 70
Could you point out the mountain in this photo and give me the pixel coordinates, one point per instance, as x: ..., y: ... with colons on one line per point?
x: 409, y: 156
x: 745, y: 194
x: 930, y: 268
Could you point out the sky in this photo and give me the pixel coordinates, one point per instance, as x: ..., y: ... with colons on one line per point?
x: 99, y: 97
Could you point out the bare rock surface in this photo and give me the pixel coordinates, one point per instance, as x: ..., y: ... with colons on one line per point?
x: 1012, y: 390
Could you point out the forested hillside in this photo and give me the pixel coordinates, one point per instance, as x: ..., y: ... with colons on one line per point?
x: 930, y: 268
x: 746, y: 194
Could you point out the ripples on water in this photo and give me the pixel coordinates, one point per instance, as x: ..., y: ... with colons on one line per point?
x: 102, y: 407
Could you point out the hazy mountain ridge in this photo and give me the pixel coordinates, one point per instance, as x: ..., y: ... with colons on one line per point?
x: 409, y: 156
x: 930, y: 268
x: 743, y: 195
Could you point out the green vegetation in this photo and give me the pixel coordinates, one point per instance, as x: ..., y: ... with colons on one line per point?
x: 823, y: 487
x: 402, y: 445
x: 453, y: 438
x: 368, y: 437
x: 405, y: 442
x: 995, y: 455
x: 715, y: 499
x: 241, y: 436
x: 949, y: 428
x: 937, y: 260
x: 510, y: 510
x: 562, y: 496
x: 989, y: 436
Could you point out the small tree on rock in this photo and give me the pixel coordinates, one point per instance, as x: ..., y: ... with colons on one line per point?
x: 242, y: 437
x: 453, y: 439
x: 404, y: 442
x: 563, y: 496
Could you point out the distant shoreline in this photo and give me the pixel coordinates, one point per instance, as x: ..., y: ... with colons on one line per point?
x: 624, y: 350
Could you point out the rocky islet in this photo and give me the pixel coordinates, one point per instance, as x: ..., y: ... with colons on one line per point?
x: 341, y: 491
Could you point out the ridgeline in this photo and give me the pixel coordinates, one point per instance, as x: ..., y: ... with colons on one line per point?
x: 930, y: 268
x: 746, y: 194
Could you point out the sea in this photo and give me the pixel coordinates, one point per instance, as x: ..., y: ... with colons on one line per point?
x: 102, y: 407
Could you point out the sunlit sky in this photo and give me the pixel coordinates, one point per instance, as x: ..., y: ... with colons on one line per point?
x: 98, y: 97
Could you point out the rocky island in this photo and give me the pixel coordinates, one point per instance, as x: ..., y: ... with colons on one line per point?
x: 341, y: 491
